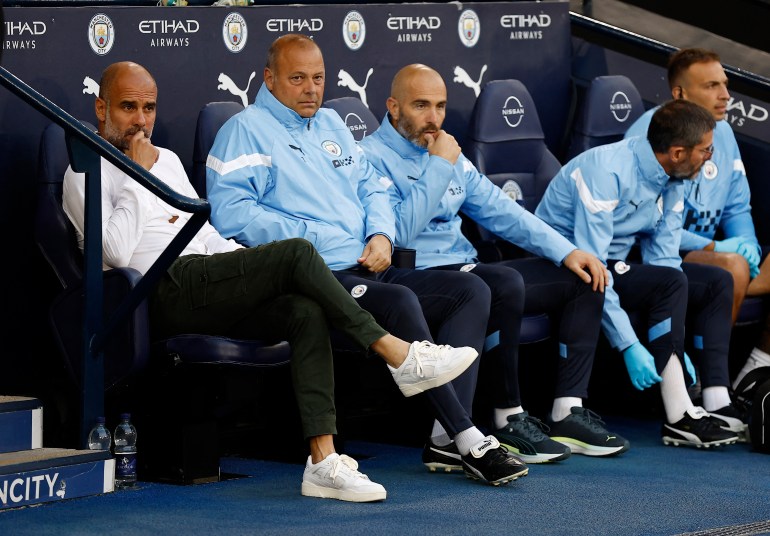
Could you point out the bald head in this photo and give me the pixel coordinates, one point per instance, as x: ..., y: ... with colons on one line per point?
x: 417, y: 103
x: 126, y: 103
x: 118, y: 70
x: 413, y: 77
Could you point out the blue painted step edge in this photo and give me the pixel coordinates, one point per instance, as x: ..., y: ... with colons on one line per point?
x: 21, y: 429
x: 57, y: 483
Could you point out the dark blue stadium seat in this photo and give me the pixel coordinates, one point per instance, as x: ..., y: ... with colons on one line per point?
x: 359, y: 119
x: 506, y: 143
x: 210, y: 119
x: 610, y: 105
x: 128, y: 353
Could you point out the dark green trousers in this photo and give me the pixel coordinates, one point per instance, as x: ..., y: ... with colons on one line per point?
x: 279, y: 291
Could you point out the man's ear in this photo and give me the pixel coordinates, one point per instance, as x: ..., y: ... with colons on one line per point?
x: 268, y: 77
x: 677, y: 153
x: 392, y: 105
x: 100, y: 106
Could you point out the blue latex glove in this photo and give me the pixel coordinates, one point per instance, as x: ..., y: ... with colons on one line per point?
x: 729, y: 245
x: 690, y: 368
x: 753, y: 254
x: 641, y: 366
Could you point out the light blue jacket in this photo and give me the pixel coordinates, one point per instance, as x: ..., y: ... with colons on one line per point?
x: 428, y: 192
x: 719, y: 197
x: 609, y: 198
x: 272, y: 174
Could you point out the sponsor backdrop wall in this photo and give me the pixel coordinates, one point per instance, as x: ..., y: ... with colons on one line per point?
x: 204, y: 54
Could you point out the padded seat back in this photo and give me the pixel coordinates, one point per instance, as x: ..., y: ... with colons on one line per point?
x: 359, y: 119
x: 506, y: 143
x: 210, y: 119
x: 610, y: 105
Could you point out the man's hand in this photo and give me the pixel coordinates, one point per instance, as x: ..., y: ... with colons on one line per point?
x: 142, y: 151
x: 444, y: 145
x: 376, y: 255
x: 751, y: 251
x: 641, y: 366
x: 579, y: 261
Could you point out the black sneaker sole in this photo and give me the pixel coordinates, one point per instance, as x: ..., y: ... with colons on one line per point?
x: 435, y: 467
x: 538, y: 457
x: 675, y: 441
x: 500, y: 481
x: 586, y: 449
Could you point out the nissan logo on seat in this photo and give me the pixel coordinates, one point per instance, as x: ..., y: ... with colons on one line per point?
x: 513, y: 111
x: 620, y: 106
x: 356, y: 125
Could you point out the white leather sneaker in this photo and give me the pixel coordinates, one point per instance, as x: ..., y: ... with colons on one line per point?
x: 337, y: 477
x: 429, y: 365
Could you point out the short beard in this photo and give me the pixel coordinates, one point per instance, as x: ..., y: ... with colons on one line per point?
x: 119, y: 139
x: 407, y: 130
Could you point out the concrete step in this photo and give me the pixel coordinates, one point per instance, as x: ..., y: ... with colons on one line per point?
x: 50, y: 474
x: 21, y: 423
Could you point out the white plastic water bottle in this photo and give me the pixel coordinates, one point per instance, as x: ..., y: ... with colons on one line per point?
x: 99, y: 437
x: 125, y: 452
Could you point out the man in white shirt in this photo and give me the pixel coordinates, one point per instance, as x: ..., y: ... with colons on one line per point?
x: 280, y: 290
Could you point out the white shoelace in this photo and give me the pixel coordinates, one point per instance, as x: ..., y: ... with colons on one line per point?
x: 345, y: 461
x: 427, y: 350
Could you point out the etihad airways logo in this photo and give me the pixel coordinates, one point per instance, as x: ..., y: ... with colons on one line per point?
x: 413, y: 29
x: 738, y: 112
x: 174, y: 32
x: 294, y: 25
x: 525, y: 27
x: 19, y: 35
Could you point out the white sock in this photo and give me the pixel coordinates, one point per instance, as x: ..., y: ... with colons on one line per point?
x: 715, y: 398
x: 468, y: 438
x: 674, y: 391
x: 756, y: 359
x: 501, y: 415
x: 438, y: 436
x: 562, y: 407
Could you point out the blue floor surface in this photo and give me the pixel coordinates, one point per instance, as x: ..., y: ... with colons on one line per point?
x: 651, y: 489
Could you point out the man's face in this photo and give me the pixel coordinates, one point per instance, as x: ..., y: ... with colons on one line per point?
x: 694, y: 158
x: 297, y: 79
x: 128, y: 108
x: 421, y: 108
x: 705, y: 83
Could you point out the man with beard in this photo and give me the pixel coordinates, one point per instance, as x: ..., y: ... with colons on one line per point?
x: 432, y: 183
x: 718, y: 200
x: 282, y: 290
x: 612, y: 197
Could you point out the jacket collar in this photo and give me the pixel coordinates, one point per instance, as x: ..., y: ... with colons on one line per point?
x: 652, y: 171
x: 284, y: 115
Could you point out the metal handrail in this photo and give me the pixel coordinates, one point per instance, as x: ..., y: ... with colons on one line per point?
x: 638, y: 45
x: 86, y: 149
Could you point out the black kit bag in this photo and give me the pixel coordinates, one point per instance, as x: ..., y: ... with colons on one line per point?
x: 753, y: 391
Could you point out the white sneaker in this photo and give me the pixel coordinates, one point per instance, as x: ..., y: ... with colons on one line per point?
x: 337, y: 477
x: 429, y: 365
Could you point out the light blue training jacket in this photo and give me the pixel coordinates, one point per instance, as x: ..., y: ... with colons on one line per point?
x: 428, y: 192
x: 719, y: 197
x: 272, y: 174
x: 609, y: 198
